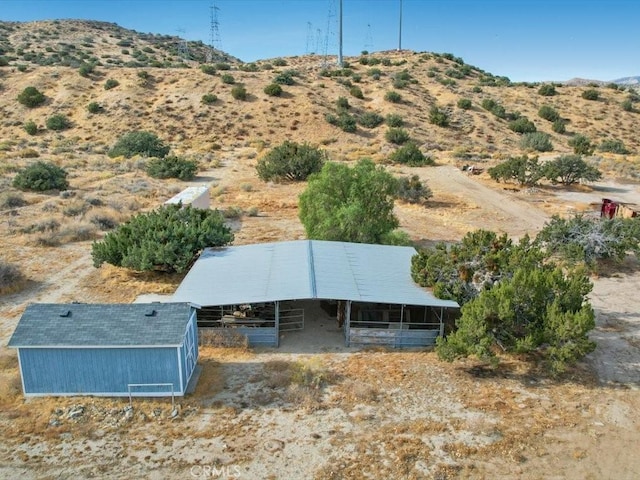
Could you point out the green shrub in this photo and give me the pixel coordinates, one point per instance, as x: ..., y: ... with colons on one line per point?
x: 412, y: 190
x: 570, y: 169
x: 410, y: 155
x: 398, y: 136
x: 239, y: 92
x: 370, y: 119
x: 581, y: 145
x: 208, y: 69
x: 111, y: 83
x: 523, y: 170
x: 228, y: 79
x: 41, y: 176
x: 284, y: 78
x: 548, y: 113
x: 222, y: 66
x: 290, y: 161
x: 477, y: 89
x: 547, y: 90
x: 613, y: 146
x: 343, y: 103
x: 393, y: 97
x: 209, y: 98
x: 538, y: 141
x: 30, y: 127
x: 31, y: 97
x: 11, y: 278
x: 438, y: 117
x: 86, y: 69
x: 591, y: 94
x: 94, y: 107
x: 12, y: 200
x: 346, y: 122
x: 273, y: 90
x: 559, y: 126
x: 356, y: 92
x: 57, y: 122
x: 522, y: 125
x: 394, y: 120
x: 464, y: 103
x: 279, y: 62
x: 172, y: 167
x: 627, y: 105
x: 142, y: 143
x: 163, y: 240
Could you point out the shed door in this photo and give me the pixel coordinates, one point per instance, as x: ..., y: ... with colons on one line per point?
x: 190, y: 348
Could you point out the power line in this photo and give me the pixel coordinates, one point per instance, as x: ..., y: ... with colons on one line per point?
x: 214, y: 31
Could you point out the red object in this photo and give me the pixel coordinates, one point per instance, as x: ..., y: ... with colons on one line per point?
x: 608, y: 208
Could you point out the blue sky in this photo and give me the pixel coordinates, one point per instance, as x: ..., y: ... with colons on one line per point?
x: 525, y: 40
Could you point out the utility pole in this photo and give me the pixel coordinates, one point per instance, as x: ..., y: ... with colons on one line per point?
x: 340, y: 62
x: 400, y: 29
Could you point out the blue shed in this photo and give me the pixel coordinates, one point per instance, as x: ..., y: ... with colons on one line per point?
x: 106, y: 349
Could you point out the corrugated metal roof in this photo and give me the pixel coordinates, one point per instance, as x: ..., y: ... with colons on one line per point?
x: 304, y: 269
x: 79, y: 324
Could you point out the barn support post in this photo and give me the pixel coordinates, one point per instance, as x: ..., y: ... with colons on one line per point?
x: 401, y: 315
x: 277, y: 323
x: 441, y: 321
x: 347, y: 324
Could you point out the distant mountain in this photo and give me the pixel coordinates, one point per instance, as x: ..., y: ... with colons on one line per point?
x: 628, y: 80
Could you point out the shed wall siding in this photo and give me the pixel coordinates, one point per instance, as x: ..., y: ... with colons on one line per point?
x: 107, y: 371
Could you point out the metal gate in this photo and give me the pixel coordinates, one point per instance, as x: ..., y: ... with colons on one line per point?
x: 291, y: 320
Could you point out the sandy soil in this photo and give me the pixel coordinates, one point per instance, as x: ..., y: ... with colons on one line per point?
x: 315, y: 409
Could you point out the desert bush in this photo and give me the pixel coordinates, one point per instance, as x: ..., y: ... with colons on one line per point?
x: 522, y: 125
x: 104, y: 219
x: 142, y: 143
x: 394, y: 120
x: 31, y: 97
x: 208, y: 69
x: 12, y: 200
x: 613, y: 146
x: 28, y: 153
x: 77, y: 232
x: 559, y: 126
x: 75, y: 208
x: 284, y: 78
x: 398, y: 136
x: 356, y: 92
x: 239, y: 92
x: 412, y: 190
x: 165, y: 239
x: 228, y: 79
x: 548, y: 113
x: 94, y: 107
x: 438, y: 117
x: 393, y: 97
x: 279, y: 62
x: 172, y: 167
x: 410, y: 155
x: 538, y: 141
x: 222, y: 66
x: 41, y: 177
x: 581, y: 145
x: 209, y: 98
x: 273, y: 90
x: 290, y: 161
x: 57, y: 122
x: 370, y: 119
x: 30, y: 127
x: 111, y: 83
x: 627, y: 105
x: 547, y: 90
x: 343, y: 103
x: 11, y: 278
x: 591, y: 94
x: 86, y: 69
x: 570, y: 169
x: 346, y: 122
x: 464, y: 103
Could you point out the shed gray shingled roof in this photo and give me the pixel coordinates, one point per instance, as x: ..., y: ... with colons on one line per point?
x: 304, y: 269
x: 118, y: 325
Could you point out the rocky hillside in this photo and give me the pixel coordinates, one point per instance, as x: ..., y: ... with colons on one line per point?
x: 131, y: 81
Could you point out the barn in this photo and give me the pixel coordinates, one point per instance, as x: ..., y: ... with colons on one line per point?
x: 258, y: 291
x: 106, y: 349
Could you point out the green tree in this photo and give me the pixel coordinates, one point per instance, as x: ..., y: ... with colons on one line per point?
x: 142, y: 143
x: 166, y: 239
x: 582, y: 145
x: 410, y: 155
x: 350, y: 204
x: 172, y: 167
x: 31, y: 97
x: 41, y: 176
x: 290, y: 161
x: 569, y: 169
x: 523, y: 170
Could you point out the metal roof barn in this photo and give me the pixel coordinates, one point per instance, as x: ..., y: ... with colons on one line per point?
x: 372, y: 281
x: 106, y: 349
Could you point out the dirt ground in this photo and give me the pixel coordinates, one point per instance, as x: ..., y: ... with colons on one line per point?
x: 311, y: 411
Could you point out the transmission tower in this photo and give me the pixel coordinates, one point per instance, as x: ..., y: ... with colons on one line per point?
x: 214, y: 32
x: 309, y: 48
x: 183, y: 45
x: 318, y: 40
x: 368, y: 41
x: 331, y: 18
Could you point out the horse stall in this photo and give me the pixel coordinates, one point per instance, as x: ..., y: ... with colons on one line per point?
x: 239, y: 325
